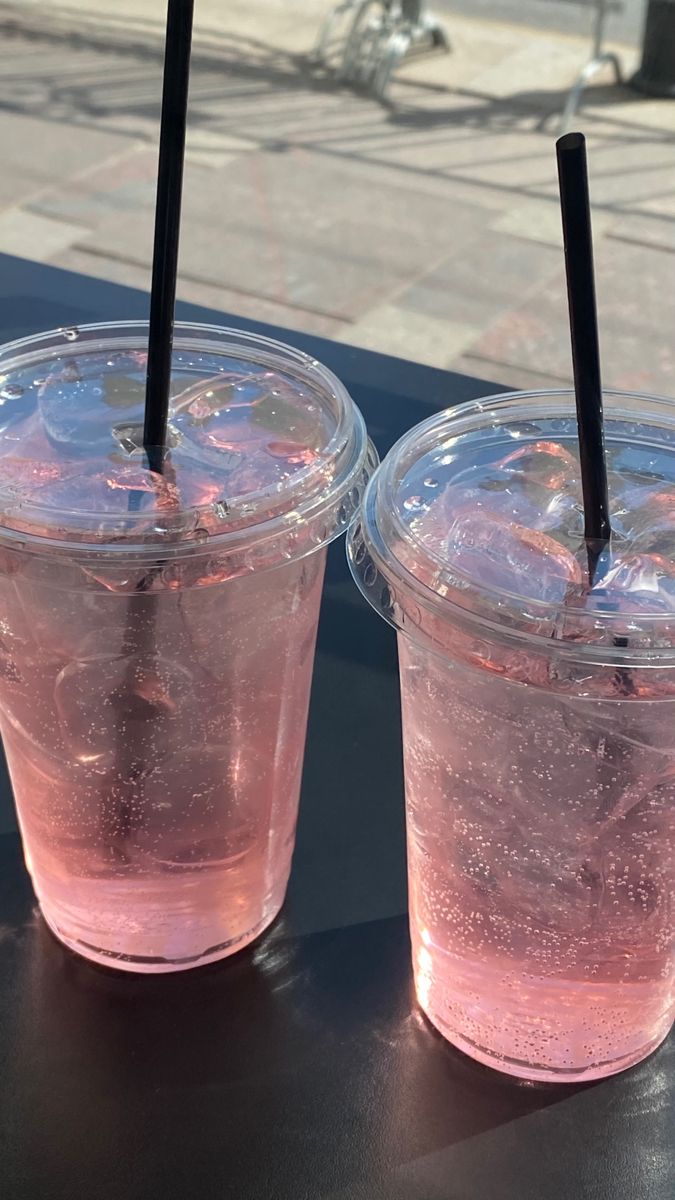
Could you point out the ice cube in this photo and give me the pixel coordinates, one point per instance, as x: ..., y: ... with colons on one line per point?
x: 21, y: 475
x: 508, y: 557
x: 493, y: 491
x: 17, y: 402
x: 535, y: 486
x: 249, y: 432
x: 636, y: 583
x: 562, y: 513
x: 548, y: 464
x: 480, y: 488
x: 82, y: 398
x: 229, y: 389
x: 649, y: 523
x: 72, y: 496
x: 197, y: 807
x: 109, y: 705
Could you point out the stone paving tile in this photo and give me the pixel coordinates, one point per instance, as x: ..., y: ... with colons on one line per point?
x: 649, y: 223
x: 499, y: 162
x: 100, y: 267
x: 531, y: 335
x: 394, y: 330
x: 520, y: 378
x: 294, y: 113
x: 29, y: 235
x: 52, y: 150
x: 646, y: 230
x: 292, y: 229
x: 432, y: 183
x: 549, y: 63
x: 513, y: 162
x: 636, y: 301
x: 535, y: 220
x: 481, y: 278
x: 18, y: 186
x: 467, y: 140
x: 311, y: 206
x: 629, y: 169
x: 257, y: 262
x: 625, y: 108
x: 223, y: 300
x: 122, y: 184
x: 541, y: 221
x: 214, y: 149
x: 256, y: 308
x: 129, y: 126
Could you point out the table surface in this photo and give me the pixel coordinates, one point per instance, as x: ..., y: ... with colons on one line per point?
x: 298, y: 1069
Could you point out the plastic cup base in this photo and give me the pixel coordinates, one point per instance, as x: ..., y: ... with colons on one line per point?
x: 160, y: 966
x: 538, y: 1073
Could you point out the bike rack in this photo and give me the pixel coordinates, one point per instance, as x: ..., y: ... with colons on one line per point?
x: 365, y: 40
x: 376, y: 34
x: 599, y: 59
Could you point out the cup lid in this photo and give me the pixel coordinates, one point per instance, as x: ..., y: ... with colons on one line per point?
x: 475, y: 518
x: 266, y: 447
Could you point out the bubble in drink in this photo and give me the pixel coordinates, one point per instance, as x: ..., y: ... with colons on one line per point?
x: 157, y: 634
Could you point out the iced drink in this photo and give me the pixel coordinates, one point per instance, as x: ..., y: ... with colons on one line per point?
x: 157, y: 631
x: 539, y: 728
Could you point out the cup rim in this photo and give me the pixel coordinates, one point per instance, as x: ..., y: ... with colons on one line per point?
x: 346, y: 460
x: 410, y: 604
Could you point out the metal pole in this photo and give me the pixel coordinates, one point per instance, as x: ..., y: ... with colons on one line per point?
x: 656, y: 75
x: 599, y: 28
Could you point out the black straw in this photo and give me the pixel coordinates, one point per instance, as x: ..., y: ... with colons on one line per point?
x: 167, y: 227
x: 576, y: 220
x: 120, y: 819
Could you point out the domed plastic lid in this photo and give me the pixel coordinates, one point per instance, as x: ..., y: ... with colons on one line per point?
x: 268, y: 454
x: 477, y: 516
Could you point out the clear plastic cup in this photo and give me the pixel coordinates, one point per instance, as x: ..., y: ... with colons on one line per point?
x: 157, y: 632
x: 538, y: 725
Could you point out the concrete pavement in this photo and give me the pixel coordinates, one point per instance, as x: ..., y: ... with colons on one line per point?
x: 561, y: 16
x: 427, y: 227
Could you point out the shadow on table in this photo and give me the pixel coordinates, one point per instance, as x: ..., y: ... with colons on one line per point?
x: 286, y: 1063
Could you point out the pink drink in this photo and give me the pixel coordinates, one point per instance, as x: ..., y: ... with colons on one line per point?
x: 539, y: 729
x: 158, y: 633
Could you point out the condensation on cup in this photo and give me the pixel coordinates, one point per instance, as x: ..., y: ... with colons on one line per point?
x: 158, y: 631
x: 538, y: 725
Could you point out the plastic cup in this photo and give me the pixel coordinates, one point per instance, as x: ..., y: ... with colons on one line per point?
x: 538, y: 725
x: 158, y: 632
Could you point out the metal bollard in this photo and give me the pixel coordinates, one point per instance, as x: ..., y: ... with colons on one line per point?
x: 656, y: 75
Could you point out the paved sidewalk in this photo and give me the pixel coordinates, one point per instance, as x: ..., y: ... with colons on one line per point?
x: 427, y: 228
x: 565, y: 16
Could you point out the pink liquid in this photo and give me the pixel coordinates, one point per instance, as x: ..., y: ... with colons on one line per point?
x: 153, y: 714
x: 541, y: 808
x: 162, y: 837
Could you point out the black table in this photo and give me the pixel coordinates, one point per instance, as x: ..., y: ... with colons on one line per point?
x: 299, y: 1069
